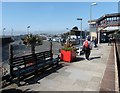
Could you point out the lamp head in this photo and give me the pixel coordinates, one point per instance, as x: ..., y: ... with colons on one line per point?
x: 79, y: 18
x: 93, y: 4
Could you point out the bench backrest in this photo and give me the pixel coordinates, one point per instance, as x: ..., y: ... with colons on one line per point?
x: 23, y: 61
x: 48, y: 54
x: 30, y: 60
x: 17, y: 61
x: 39, y: 57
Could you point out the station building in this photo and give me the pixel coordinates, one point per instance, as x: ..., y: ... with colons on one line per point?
x: 101, y: 28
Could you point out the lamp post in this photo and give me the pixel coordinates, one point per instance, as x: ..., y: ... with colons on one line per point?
x: 28, y: 29
x: 51, y: 48
x: 4, y: 31
x: 11, y: 32
x: 69, y: 33
x: 91, y: 10
x: 93, y: 4
x: 80, y: 31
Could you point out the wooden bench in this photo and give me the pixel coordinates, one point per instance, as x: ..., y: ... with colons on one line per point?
x: 29, y: 64
x: 20, y: 66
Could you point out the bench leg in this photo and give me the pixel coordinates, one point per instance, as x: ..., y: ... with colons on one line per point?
x: 36, y: 72
x: 51, y: 65
x: 18, y: 80
x: 43, y: 70
x: 57, y: 63
x: 12, y: 78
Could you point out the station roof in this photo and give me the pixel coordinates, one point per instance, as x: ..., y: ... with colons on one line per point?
x: 111, y: 28
x: 105, y: 16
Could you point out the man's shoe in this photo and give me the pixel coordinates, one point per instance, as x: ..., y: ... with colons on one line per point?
x: 88, y: 59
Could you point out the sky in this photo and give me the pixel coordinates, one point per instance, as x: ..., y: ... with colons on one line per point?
x: 50, y: 17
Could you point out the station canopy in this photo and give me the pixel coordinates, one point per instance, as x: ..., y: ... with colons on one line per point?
x: 111, y: 28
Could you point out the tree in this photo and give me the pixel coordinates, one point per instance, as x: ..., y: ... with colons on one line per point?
x: 75, y: 28
x: 32, y: 40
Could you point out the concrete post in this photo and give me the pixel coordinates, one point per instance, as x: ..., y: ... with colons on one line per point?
x: 10, y: 57
x: 51, y: 48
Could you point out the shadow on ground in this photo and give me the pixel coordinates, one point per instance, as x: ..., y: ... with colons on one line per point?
x: 13, y: 90
x: 78, y: 59
x: 33, y: 79
x: 95, y: 57
x: 6, y: 81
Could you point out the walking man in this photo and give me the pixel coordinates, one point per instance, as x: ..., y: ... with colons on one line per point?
x: 87, y: 47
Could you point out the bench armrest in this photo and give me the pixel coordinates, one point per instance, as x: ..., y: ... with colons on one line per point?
x: 58, y: 57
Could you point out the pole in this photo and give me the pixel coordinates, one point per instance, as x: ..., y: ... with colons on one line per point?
x: 80, y: 31
x: 90, y: 18
x: 10, y: 51
x: 81, y: 24
x: 28, y: 29
x: 90, y: 12
x: 81, y: 27
x: 10, y: 57
x: 4, y: 32
x: 11, y: 32
x: 51, y: 48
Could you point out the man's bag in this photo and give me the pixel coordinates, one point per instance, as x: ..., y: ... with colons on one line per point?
x: 86, y: 45
x: 83, y: 48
